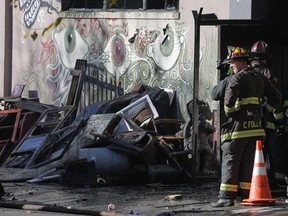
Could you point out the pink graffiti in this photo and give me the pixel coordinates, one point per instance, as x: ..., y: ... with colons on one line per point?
x: 48, y: 50
x: 142, y: 39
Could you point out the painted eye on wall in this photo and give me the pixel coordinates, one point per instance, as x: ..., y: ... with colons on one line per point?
x: 70, y: 46
x: 166, y: 49
x: 118, y: 51
x: 167, y: 44
x: 115, y: 57
x: 69, y: 40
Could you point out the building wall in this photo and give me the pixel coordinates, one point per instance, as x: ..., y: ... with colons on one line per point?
x: 34, y: 54
x: 43, y: 62
x: 5, y: 46
x: 2, y: 47
x: 240, y: 9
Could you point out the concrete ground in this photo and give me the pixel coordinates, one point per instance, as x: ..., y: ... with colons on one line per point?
x: 33, y: 199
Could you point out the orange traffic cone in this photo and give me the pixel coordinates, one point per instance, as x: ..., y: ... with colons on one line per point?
x: 260, y: 194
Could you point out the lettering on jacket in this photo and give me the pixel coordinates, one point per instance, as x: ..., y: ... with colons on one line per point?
x: 251, y: 124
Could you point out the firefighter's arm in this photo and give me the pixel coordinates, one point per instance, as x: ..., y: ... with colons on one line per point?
x: 279, y: 117
x: 274, y: 98
x: 231, y: 95
x: 218, y: 91
x: 274, y: 103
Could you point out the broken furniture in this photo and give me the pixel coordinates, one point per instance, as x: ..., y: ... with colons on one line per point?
x: 129, y: 125
x: 47, y: 110
x: 127, y: 134
x: 139, y: 144
x: 76, y: 86
x: 14, y: 124
x: 40, y: 143
x: 16, y: 92
x: 9, y: 121
x: 8, y: 101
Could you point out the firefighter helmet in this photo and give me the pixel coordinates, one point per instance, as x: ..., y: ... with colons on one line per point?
x: 260, y: 49
x: 236, y: 53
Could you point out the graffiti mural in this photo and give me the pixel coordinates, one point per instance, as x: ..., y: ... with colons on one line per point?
x: 208, y: 72
x: 153, y: 55
x: 151, y: 59
x: 31, y: 9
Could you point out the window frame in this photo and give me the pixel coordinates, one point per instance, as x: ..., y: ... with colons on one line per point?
x: 141, y: 13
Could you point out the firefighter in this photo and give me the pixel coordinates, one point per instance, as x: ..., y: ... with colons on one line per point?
x: 242, y: 105
x: 261, y: 55
x: 218, y: 90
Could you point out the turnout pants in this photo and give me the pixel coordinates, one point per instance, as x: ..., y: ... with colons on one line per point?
x: 237, y: 167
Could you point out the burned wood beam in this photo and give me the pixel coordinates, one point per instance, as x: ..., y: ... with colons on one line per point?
x: 49, y: 208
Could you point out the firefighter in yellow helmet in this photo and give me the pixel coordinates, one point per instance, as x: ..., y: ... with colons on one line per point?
x: 242, y: 105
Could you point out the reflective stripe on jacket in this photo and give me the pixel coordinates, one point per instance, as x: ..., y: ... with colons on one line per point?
x: 245, y: 101
x: 242, y: 103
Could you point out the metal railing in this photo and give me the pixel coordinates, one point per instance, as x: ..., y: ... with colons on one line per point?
x: 99, y: 85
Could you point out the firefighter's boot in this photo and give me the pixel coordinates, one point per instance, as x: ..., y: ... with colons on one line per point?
x: 223, y: 203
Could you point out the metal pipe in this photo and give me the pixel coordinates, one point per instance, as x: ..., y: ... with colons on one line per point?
x: 194, y: 142
x: 144, y: 4
x: 125, y: 4
x: 166, y: 4
x: 105, y: 4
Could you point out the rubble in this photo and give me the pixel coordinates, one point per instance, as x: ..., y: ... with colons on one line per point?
x: 134, y: 134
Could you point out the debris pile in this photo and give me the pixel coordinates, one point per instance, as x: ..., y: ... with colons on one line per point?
x: 134, y: 137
